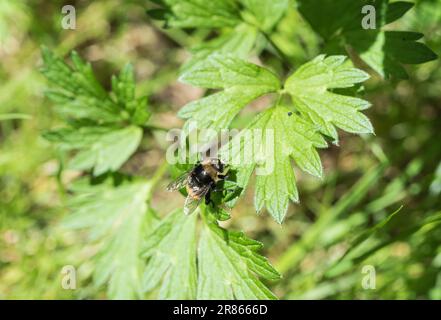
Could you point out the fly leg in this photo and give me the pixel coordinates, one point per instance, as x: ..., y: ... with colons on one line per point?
x: 226, y: 190
x: 208, y: 199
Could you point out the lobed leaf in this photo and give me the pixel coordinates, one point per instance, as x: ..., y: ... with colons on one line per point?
x: 278, y: 135
x: 114, y: 217
x: 243, y: 82
x: 197, y: 13
x: 384, y: 51
x: 309, y: 88
x: 77, y: 88
x: 102, y: 127
x: 242, y: 23
x: 238, y: 42
x: 228, y: 263
x: 268, y: 144
x: 266, y: 13
x: 101, y: 148
x: 223, y: 71
x: 171, y: 253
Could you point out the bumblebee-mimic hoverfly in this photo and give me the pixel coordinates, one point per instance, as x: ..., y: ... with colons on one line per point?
x: 199, y: 182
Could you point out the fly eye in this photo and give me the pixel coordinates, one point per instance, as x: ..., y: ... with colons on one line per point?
x: 217, y: 165
x: 225, y: 169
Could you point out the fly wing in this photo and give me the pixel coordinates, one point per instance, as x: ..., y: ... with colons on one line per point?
x: 191, y: 204
x: 192, y: 201
x: 179, y: 183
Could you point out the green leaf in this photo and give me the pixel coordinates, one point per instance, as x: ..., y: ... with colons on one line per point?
x: 268, y: 144
x: 238, y: 42
x: 361, y: 237
x: 171, y: 253
x: 277, y: 135
x: 387, y: 51
x: 228, y: 263
x: 103, y: 127
x: 115, y: 217
x: 328, y: 21
x: 123, y: 87
x: 384, y: 51
x: 221, y: 13
x: 396, y: 10
x: 325, y: 16
x: 78, y: 92
x: 79, y: 95
x: 228, y: 266
x: 241, y: 23
x: 223, y: 71
x: 242, y: 83
x: 199, y: 13
x: 103, y: 149
x: 310, y: 88
x: 266, y: 13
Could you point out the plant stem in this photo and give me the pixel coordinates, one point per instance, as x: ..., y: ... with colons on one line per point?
x: 154, y: 128
x: 160, y: 171
x: 279, y: 52
x: 15, y: 116
x: 279, y: 98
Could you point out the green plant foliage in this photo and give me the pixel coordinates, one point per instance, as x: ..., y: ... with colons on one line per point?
x: 265, y: 14
x: 293, y: 136
x: 115, y: 219
x: 384, y: 51
x: 243, y: 22
x: 309, y: 88
x: 171, y: 252
x: 239, y: 42
x: 274, y: 70
x: 242, y: 82
x: 281, y: 137
x: 104, y: 128
x: 198, y: 13
x: 228, y: 263
x: 101, y: 148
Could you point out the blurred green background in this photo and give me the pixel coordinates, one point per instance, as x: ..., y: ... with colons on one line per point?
x: 350, y: 219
